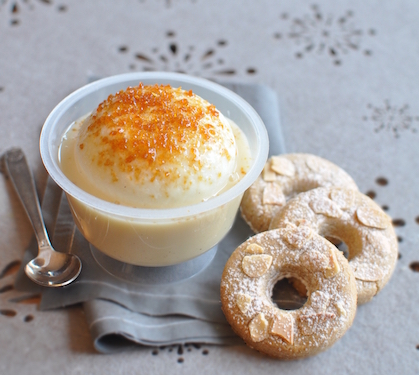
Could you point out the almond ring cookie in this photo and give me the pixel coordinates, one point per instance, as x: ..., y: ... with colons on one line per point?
x: 259, y: 263
x: 359, y: 222
x: 284, y: 177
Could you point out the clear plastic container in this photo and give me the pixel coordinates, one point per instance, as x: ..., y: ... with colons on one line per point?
x: 153, y: 237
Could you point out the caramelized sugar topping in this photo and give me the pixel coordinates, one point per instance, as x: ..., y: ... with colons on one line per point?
x: 156, y: 126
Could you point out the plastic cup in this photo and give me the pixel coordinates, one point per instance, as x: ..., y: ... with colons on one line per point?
x: 152, y: 237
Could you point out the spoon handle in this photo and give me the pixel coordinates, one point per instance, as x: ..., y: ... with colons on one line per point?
x: 18, y: 170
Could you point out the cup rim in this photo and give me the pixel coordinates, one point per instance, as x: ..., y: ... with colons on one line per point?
x: 50, y: 161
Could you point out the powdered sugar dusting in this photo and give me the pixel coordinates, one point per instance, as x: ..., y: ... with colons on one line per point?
x: 296, y: 237
x: 256, y: 265
x: 308, y: 263
x: 372, y: 216
x: 283, y: 326
x: 282, y: 166
x: 344, y: 198
x: 243, y: 302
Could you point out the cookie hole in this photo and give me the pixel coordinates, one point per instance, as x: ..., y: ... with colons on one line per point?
x: 155, y: 352
x: 414, y: 266
x: 180, y: 360
x: 399, y: 256
x: 205, y: 352
x: 417, y: 219
x: 340, y: 245
x: 385, y: 207
x: 343, y: 247
x: 289, y: 293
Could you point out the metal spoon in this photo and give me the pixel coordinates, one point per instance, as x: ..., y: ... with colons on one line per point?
x: 50, y: 268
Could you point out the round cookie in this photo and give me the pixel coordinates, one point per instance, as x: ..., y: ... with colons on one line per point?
x: 284, y: 177
x: 259, y: 263
x: 359, y: 222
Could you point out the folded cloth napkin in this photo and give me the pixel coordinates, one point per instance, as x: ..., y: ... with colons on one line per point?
x: 121, y: 314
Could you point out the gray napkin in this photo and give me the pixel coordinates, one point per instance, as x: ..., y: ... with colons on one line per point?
x: 121, y: 314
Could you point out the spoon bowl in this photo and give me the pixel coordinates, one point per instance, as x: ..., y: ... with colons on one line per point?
x: 50, y: 268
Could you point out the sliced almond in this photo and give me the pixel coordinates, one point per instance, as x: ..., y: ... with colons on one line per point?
x: 296, y: 237
x: 344, y: 198
x: 243, y: 302
x: 372, y: 216
x: 282, y: 166
x: 256, y: 265
x: 366, y: 272
x: 302, y: 223
x: 326, y: 207
x: 254, y: 248
x: 340, y: 308
x: 314, y: 164
x: 333, y: 267
x: 268, y: 174
x: 258, y: 328
x: 273, y: 194
x: 319, y: 301
x: 283, y: 326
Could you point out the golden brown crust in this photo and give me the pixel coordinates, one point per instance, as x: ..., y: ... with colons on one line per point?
x: 294, y: 252
x: 284, y: 177
x: 356, y: 220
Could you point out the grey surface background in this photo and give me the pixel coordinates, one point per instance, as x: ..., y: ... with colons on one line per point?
x: 345, y: 74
